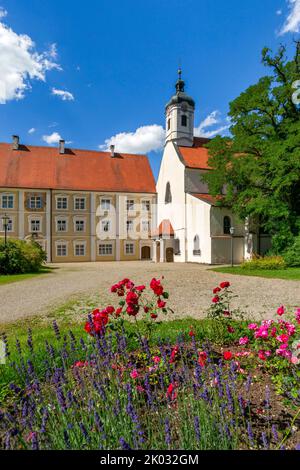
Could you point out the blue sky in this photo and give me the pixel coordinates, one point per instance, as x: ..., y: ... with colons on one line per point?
x: 90, y: 71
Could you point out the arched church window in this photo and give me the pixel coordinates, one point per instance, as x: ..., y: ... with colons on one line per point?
x: 226, y: 225
x: 168, y: 195
x: 169, y: 124
x: 184, y: 120
x: 196, y: 251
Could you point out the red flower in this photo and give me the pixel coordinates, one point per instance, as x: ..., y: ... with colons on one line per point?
x: 110, y: 309
x: 153, y: 315
x: 174, y: 354
x: 161, y: 303
x: 224, y: 284
x: 132, y: 309
x: 140, y: 288
x: 227, y: 355
x: 280, y: 310
x: 191, y: 333
x: 146, y: 309
x: 216, y: 290
x: 226, y: 313
x: 171, y: 392
x: 156, y: 287
x: 215, y: 299
x: 230, y: 329
x: 118, y: 311
x: 132, y: 298
x: 202, y: 358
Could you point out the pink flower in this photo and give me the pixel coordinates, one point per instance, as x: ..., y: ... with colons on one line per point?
x: 262, y: 332
x: 134, y: 374
x: 244, y: 340
x: 252, y: 326
x: 282, y: 338
x: 156, y: 359
x: 280, y: 310
x: 294, y: 360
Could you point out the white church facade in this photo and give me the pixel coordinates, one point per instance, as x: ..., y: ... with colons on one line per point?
x: 191, y: 226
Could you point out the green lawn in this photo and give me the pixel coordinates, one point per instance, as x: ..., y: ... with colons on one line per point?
x: 9, y: 278
x: 288, y: 273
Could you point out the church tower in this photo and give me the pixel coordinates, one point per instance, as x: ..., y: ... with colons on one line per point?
x: 180, y: 116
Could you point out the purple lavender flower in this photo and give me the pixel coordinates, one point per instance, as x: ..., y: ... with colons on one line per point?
x: 30, y: 341
x: 264, y: 440
x: 197, y: 428
x: 84, y: 432
x: 124, y: 444
x: 56, y: 330
x: 250, y: 434
x: 167, y: 432
x: 297, y: 446
x: 275, y: 433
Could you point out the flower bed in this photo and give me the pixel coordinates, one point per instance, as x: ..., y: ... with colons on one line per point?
x: 96, y: 392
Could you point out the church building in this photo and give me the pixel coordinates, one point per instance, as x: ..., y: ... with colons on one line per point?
x: 191, y: 226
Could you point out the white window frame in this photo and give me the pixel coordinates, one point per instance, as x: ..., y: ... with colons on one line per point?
x: 79, y: 243
x: 57, y: 198
x: 8, y: 195
x: 106, y: 244
x: 79, y: 199
x: 125, y: 248
x: 36, y: 218
x: 35, y: 198
x: 79, y: 219
x: 143, y: 222
x: 58, y: 244
x: 61, y: 219
x: 144, y: 203
x: 103, y: 204
x: 130, y: 223
x: 11, y: 222
x: 130, y: 205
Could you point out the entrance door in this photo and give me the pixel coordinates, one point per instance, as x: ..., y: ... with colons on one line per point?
x: 146, y: 252
x: 169, y: 255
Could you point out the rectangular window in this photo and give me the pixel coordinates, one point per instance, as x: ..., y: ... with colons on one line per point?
x: 61, y: 250
x: 35, y: 202
x: 80, y: 203
x: 130, y: 205
x: 129, y: 225
x: 146, y: 206
x: 145, y: 225
x: 105, y: 249
x: 184, y: 120
x: 62, y: 203
x: 105, y: 204
x: 129, y: 248
x: 79, y: 226
x: 7, y: 201
x: 105, y: 224
x: 35, y: 225
x: 80, y: 249
x: 61, y: 225
x: 9, y: 227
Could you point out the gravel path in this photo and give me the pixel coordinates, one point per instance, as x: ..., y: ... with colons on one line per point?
x: 189, y: 286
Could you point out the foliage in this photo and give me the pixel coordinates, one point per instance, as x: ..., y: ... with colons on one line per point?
x: 292, y: 254
x: 19, y: 257
x: 260, y: 164
x: 266, y: 262
x: 287, y: 273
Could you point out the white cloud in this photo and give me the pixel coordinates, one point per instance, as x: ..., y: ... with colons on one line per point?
x: 51, y: 139
x: 143, y: 140
x: 32, y: 130
x: 292, y: 22
x: 63, y: 94
x: 279, y: 12
x: 211, y: 120
x: 3, y: 13
x: 20, y: 63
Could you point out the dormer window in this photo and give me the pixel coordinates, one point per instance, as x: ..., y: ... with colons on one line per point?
x: 184, y: 120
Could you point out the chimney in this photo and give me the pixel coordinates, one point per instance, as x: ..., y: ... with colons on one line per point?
x: 16, y: 140
x: 61, y: 146
x: 112, y: 150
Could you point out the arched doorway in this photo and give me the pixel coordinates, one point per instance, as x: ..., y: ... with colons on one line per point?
x: 169, y: 255
x: 146, y: 252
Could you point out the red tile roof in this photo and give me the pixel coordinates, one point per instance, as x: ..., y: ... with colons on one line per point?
x: 86, y: 170
x: 197, y: 155
x: 205, y: 197
x: 164, y: 228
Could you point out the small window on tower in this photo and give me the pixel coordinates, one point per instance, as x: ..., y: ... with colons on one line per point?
x: 169, y: 124
x: 184, y: 120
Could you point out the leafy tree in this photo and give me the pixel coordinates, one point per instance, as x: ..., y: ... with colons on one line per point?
x: 260, y: 164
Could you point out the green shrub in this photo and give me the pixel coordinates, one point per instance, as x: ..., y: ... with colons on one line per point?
x: 267, y: 262
x: 18, y: 257
x: 292, y: 254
